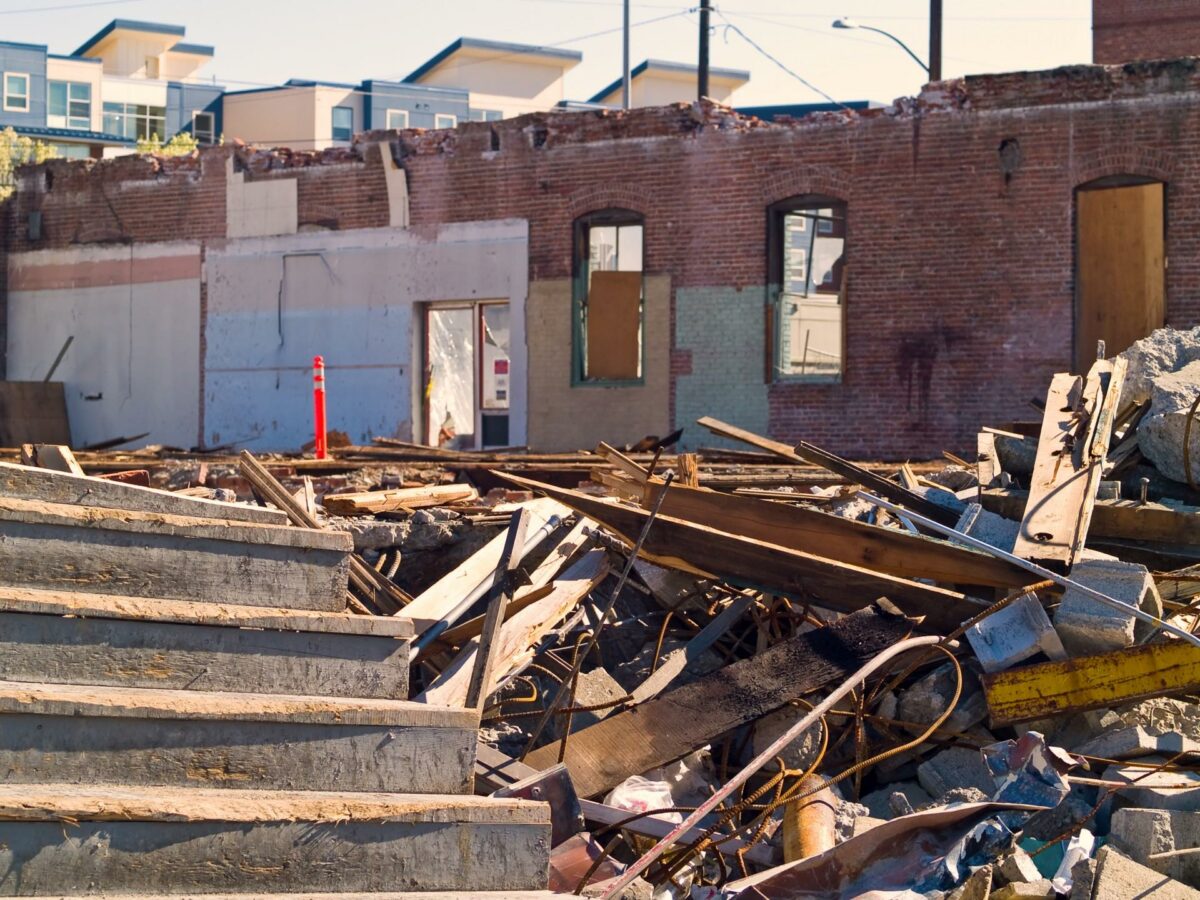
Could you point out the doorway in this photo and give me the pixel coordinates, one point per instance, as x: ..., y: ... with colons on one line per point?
x: 1120, y: 267
x: 467, y: 391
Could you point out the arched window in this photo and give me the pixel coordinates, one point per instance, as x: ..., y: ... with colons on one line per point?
x: 808, y: 280
x: 608, y: 306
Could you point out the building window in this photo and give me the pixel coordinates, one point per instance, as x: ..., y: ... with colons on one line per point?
x: 608, y: 302
x: 16, y: 92
x: 445, y: 120
x: 135, y: 121
x: 807, y: 256
x: 204, y: 127
x: 343, y: 123
x: 486, y: 115
x: 396, y: 119
x: 69, y: 105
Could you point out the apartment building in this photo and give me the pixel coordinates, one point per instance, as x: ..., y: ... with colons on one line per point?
x: 129, y: 80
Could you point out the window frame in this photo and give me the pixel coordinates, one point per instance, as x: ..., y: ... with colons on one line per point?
x: 439, y: 117
x: 211, y: 132
x: 333, y: 128
x: 8, y: 107
x: 67, y: 118
x: 387, y: 119
x: 580, y: 258
x: 776, y: 216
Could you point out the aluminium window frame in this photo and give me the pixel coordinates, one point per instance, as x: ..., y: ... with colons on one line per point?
x: 67, y: 118
x: 27, y: 95
x: 776, y: 213
x: 333, y: 128
x: 580, y: 260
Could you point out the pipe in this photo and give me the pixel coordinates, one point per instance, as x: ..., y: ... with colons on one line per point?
x: 810, y: 823
x: 765, y: 757
x: 1032, y: 567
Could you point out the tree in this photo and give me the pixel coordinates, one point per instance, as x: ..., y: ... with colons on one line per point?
x: 183, y: 144
x: 16, y: 150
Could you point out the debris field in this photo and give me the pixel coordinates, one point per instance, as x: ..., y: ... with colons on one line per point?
x: 758, y: 670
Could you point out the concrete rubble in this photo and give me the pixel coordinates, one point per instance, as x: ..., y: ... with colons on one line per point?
x: 1034, y: 734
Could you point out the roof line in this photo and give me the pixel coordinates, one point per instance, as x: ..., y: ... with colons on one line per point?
x: 515, y: 49
x: 128, y: 25
x: 670, y: 66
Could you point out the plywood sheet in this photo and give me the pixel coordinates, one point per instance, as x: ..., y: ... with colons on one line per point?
x: 33, y: 412
x: 614, y: 312
x: 1121, y: 283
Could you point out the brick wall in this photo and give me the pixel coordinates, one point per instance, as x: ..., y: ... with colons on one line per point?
x: 959, y: 264
x: 1124, y: 30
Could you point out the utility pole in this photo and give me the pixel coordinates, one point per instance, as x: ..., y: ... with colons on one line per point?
x: 935, y: 40
x: 702, y: 72
x: 625, y: 85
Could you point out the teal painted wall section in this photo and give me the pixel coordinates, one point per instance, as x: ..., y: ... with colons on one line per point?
x: 723, y: 330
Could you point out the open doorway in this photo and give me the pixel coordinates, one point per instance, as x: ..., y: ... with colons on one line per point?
x: 467, y: 390
x: 1120, y: 270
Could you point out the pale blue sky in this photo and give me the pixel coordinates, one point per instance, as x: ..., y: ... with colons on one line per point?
x: 268, y: 41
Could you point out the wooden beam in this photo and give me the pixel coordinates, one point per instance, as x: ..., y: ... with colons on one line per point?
x: 708, y: 553
x: 369, y: 502
x: 877, y: 484
x: 833, y: 537
x: 1118, y: 519
x: 1092, y: 682
x: 676, y: 723
x: 479, y: 684
x: 58, y: 458
x: 724, y: 429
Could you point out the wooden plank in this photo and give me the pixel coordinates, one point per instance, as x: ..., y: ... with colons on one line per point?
x: 833, y: 537
x: 621, y: 462
x: 440, y: 598
x: 368, y: 502
x: 57, y: 458
x: 522, y: 631
x: 676, y: 723
x: 679, y: 659
x: 1092, y: 682
x: 775, y: 448
x: 33, y: 412
x: 1066, y: 472
x: 710, y: 553
x: 613, y: 319
x: 1127, y: 519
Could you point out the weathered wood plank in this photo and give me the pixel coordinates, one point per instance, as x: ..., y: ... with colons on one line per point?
x: 29, y: 483
x: 1118, y: 519
x: 368, y: 502
x: 708, y: 552
x: 676, y: 723
x: 833, y: 537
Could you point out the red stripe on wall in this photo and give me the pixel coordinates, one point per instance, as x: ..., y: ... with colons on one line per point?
x: 101, y: 273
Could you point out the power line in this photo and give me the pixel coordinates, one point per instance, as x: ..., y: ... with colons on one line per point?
x: 37, y: 9
x: 730, y: 26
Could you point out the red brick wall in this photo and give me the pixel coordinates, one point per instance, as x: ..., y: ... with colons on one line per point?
x: 1124, y: 30
x: 959, y: 259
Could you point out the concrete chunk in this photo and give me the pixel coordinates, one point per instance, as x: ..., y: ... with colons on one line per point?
x: 1135, y: 742
x: 1088, y: 626
x: 955, y: 767
x: 1119, y: 876
x: 1145, y: 834
x: 1157, y: 790
x: 1017, y: 866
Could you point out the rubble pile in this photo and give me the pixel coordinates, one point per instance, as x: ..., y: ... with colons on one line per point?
x: 775, y: 673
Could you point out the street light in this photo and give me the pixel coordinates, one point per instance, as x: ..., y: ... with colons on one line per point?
x: 849, y: 24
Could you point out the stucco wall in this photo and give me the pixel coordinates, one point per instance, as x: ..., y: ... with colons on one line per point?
x: 275, y: 303
x: 134, y: 312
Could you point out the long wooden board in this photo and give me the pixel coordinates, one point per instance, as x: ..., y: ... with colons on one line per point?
x: 1092, y: 682
x: 676, y: 723
x: 833, y: 537
x: 1124, y: 519
x: 710, y: 553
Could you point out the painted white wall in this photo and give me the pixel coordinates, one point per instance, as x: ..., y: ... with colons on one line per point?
x: 134, y: 364
x: 79, y: 70
x: 134, y: 90
x: 174, y: 66
x: 352, y: 297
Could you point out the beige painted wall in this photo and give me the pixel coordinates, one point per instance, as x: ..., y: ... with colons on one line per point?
x: 178, y: 66
x: 300, y: 117
x: 125, y: 52
x: 514, y: 86
x: 659, y: 88
x: 562, y: 417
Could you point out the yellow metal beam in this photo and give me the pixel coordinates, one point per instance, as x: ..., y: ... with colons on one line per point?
x: 1092, y: 682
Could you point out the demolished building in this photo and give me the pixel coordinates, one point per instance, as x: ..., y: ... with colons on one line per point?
x: 943, y: 256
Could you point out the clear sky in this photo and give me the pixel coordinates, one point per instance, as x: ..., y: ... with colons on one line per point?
x: 268, y: 41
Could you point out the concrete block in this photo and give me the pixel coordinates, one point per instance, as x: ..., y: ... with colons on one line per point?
x: 926, y: 699
x: 1017, y: 866
x: 977, y: 887
x: 1134, y: 742
x: 61, y: 841
x: 82, y: 735
x: 988, y: 527
x: 140, y: 653
x: 1157, y: 790
x: 1083, y: 875
x: 1145, y: 834
x: 1161, y: 431
x: 1013, y: 634
x: 1119, y: 876
x: 955, y: 767
x: 1088, y: 626
x: 1018, y: 889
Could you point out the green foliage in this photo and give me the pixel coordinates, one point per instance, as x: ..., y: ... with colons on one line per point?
x: 183, y: 144
x: 16, y: 150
